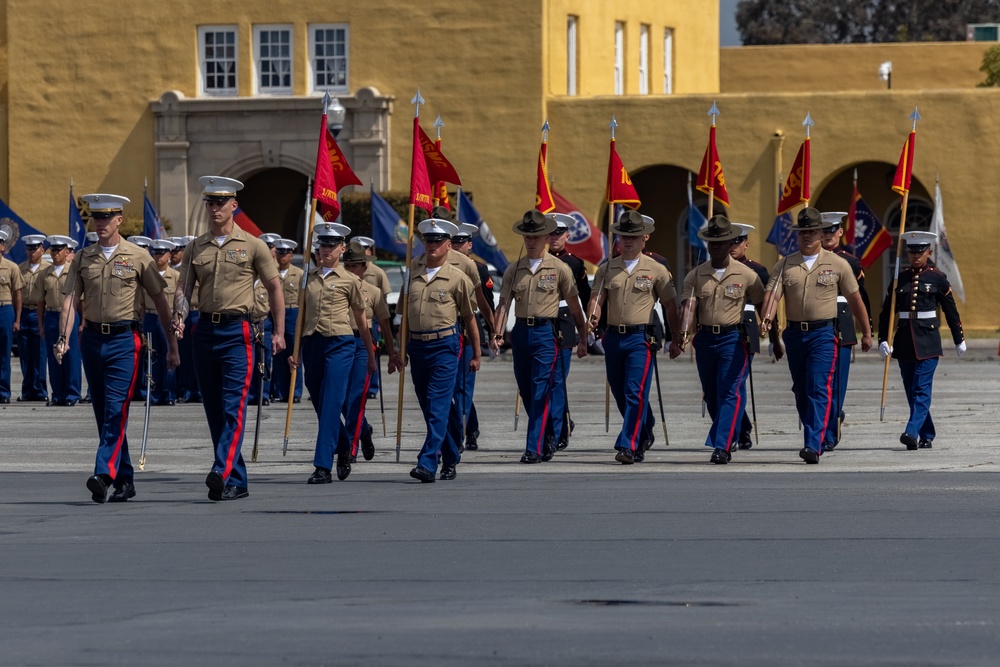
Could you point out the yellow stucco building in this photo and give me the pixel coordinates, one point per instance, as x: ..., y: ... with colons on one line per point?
x: 111, y: 93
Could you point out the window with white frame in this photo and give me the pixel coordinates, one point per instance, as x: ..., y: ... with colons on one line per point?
x: 273, y: 58
x: 619, y: 58
x: 668, y: 61
x: 217, y: 49
x: 328, y: 57
x: 571, y: 54
x: 644, y: 60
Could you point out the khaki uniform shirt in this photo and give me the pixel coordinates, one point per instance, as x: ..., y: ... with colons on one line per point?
x: 290, y: 285
x: 375, y: 305
x: 811, y: 294
x: 226, y: 274
x: 438, y: 302
x: 374, y: 275
x: 49, y: 287
x: 721, y: 301
x: 171, y: 278
x: 331, y: 302
x: 458, y: 260
x: 110, y: 287
x: 631, y: 297
x: 31, y: 293
x: 10, y: 280
x: 538, y: 294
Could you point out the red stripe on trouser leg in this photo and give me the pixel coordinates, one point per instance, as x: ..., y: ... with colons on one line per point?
x: 642, y: 399
x: 829, y: 390
x: 361, y: 415
x: 116, y: 455
x: 545, y: 410
x: 738, y: 412
x: 241, y: 412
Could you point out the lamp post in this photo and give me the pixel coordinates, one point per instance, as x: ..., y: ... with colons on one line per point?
x: 337, y: 113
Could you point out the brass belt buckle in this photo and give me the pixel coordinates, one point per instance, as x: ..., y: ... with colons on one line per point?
x: 716, y: 328
x: 105, y: 328
x: 804, y: 326
x: 622, y: 329
x: 425, y: 337
x: 216, y: 318
x: 530, y: 321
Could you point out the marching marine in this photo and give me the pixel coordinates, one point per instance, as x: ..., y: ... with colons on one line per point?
x: 916, y: 343
x: 31, y: 336
x: 627, y: 288
x: 291, y: 279
x: 810, y: 281
x: 108, y: 276
x: 224, y: 262
x: 11, y: 284
x: 164, y: 380
x: 535, y: 284
x: 714, y: 296
x: 439, y: 300
x: 65, y: 375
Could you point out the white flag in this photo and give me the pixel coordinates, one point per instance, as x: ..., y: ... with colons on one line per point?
x: 942, y: 251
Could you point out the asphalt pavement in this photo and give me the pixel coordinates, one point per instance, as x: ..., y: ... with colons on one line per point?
x: 876, y: 556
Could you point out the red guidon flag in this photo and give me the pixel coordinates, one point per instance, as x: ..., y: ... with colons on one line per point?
x: 904, y: 170
x: 796, y: 190
x: 324, y: 182
x: 343, y: 175
x: 544, y: 200
x: 620, y: 189
x: 585, y: 240
x: 711, y: 180
x: 441, y: 188
x: 420, y: 183
x: 438, y: 167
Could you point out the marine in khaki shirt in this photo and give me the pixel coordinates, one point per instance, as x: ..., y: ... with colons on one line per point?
x: 376, y: 276
x: 109, y: 286
x: 356, y: 260
x: 333, y: 295
x: 629, y: 297
x: 290, y: 282
x: 11, y: 284
x: 811, y: 291
x: 536, y: 292
x: 225, y: 274
x: 438, y: 302
x: 721, y: 299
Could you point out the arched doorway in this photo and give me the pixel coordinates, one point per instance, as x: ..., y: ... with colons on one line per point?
x: 662, y: 188
x: 275, y: 199
x: 874, y: 181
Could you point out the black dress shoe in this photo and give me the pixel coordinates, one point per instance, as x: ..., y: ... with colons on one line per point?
x: 215, y: 485
x: 448, y: 473
x: 808, y: 455
x: 233, y: 492
x: 296, y: 400
x: 531, y: 457
x: 372, y: 394
x: 367, y: 446
x: 70, y: 404
x: 562, y: 444
x: 925, y: 443
x: 572, y: 425
x: 745, y: 442
x: 548, y: 450
x: 265, y: 402
x: 720, y: 456
x: 343, y: 466
x: 639, y: 455
x: 647, y: 442
x: 909, y: 441
x: 166, y: 403
x: 625, y: 457
x: 98, y: 487
x: 423, y: 474
x: 472, y: 441
x: 123, y: 493
x: 320, y: 476
x: 85, y: 399
x: 5, y: 399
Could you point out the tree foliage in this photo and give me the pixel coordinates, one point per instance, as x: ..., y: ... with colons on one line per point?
x: 762, y: 22
x: 991, y: 66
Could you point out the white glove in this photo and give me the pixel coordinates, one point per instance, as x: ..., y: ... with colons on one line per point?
x: 770, y: 350
x: 591, y: 339
x: 960, y: 349
x: 884, y: 349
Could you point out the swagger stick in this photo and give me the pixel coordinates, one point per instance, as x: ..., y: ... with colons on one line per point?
x: 298, y: 321
x: 147, y: 342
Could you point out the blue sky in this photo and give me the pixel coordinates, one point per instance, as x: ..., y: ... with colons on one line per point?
x: 728, y: 36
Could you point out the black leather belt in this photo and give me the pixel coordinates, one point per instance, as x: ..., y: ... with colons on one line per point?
x: 718, y: 328
x: 224, y: 318
x: 809, y: 326
x: 535, y: 321
x: 111, y: 328
x: 628, y: 328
